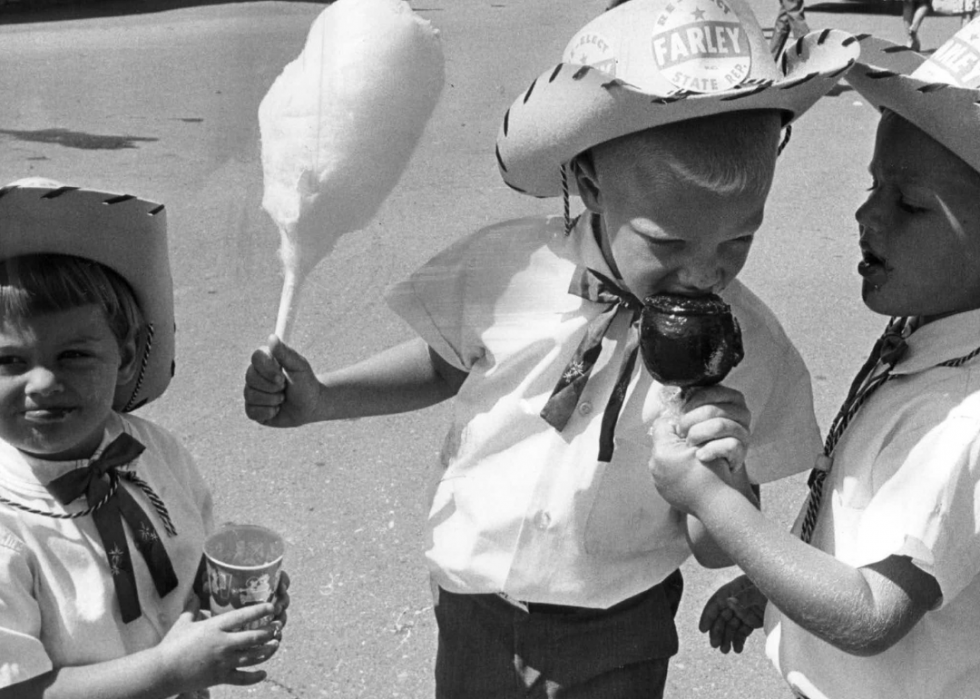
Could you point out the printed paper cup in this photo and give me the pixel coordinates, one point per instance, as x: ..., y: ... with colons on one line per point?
x: 243, y: 563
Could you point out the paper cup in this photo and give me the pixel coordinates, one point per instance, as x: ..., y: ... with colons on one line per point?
x: 243, y: 562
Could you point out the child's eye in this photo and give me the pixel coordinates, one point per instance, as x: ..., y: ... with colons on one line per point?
x: 10, y: 365
x: 909, y: 207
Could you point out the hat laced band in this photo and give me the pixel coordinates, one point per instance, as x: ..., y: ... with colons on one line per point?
x: 566, y: 207
x: 131, y: 404
x: 787, y: 133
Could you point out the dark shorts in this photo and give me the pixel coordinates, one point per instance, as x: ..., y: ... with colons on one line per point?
x: 490, y: 648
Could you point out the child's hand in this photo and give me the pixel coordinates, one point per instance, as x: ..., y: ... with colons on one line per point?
x: 198, y: 653
x: 282, y: 601
x: 702, y: 449
x: 681, y: 478
x: 717, y: 420
x: 732, y: 614
x: 281, y: 389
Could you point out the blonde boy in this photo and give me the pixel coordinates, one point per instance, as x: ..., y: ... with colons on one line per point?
x: 555, y: 563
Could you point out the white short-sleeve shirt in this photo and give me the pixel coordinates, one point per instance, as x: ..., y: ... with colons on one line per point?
x: 57, y: 600
x: 906, y: 481
x: 520, y: 508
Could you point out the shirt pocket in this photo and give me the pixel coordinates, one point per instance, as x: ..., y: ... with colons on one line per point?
x: 627, y: 515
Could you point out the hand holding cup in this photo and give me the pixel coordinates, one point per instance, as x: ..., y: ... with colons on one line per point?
x: 244, y: 568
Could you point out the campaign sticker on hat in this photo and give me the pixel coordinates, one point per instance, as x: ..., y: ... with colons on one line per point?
x: 701, y: 46
x: 590, y: 48
x: 956, y: 62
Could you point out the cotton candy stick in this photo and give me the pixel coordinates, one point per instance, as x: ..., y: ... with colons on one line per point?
x: 338, y: 127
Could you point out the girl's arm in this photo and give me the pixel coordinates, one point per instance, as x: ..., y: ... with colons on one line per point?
x: 193, y: 655
x: 862, y: 611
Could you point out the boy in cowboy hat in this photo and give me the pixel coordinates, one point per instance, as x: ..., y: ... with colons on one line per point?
x: 554, y: 561
x: 87, y: 608
x: 885, y: 601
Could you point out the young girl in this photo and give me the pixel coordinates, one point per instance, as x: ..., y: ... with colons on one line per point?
x: 102, y: 515
x: 881, y: 597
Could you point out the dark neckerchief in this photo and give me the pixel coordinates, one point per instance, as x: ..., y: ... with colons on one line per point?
x: 597, y: 288
x: 110, y: 504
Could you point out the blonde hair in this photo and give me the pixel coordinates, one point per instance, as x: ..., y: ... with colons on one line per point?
x: 725, y: 153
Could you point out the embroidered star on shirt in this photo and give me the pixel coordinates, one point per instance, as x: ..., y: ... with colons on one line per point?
x: 116, y: 558
x: 146, y: 533
x: 573, y: 371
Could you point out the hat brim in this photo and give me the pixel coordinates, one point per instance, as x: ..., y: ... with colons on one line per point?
x: 949, y: 114
x: 572, y: 108
x: 120, y: 231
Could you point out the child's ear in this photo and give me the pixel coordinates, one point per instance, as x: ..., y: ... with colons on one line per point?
x: 127, y: 361
x: 583, y: 170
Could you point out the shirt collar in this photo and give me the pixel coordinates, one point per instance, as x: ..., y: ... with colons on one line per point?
x: 939, y: 341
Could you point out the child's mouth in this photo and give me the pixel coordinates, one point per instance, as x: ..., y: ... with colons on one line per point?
x: 871, y: 265
x: 47, y: 414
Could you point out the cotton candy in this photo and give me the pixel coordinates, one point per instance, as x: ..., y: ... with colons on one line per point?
x: 339, y: 125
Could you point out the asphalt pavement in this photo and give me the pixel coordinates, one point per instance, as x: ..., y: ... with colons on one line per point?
x: 161, y: 99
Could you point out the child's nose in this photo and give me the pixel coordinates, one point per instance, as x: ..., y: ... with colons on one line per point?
x: 869, y: 214
x: 42, y: 381
x: 697, y: 278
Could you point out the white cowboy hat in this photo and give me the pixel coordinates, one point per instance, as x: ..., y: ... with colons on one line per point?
x: 939, y: 94
x: 647, y: 63
x: 120, y: 231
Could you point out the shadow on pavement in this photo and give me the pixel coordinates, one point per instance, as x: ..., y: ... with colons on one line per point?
x: 59, y: 11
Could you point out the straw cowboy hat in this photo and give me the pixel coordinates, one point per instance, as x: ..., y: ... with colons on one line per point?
x: 120, y: 231
x: 647, y: 63
x: 939, y: 94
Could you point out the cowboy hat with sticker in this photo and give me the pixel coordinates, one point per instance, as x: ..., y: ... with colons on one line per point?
x: 120, y: 231
x: 939, y: 94
x: 647, y: 63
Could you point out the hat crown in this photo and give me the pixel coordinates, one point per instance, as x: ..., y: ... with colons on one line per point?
x: 956, y: 62
x: 663, y: 46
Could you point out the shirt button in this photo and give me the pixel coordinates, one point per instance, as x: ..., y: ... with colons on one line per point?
x: 585, y: 407
x: 542, y: 520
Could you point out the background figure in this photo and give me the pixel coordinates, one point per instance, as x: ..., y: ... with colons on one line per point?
x: 913, y: 12
x: 790, y: 18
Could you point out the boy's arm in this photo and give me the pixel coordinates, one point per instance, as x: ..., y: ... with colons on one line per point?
x: 706, y: 550
x: 862, y: 611
x: 281, y: 389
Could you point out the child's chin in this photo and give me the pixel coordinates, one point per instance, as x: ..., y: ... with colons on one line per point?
x: 875, y: 301
x: 61, y: 447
